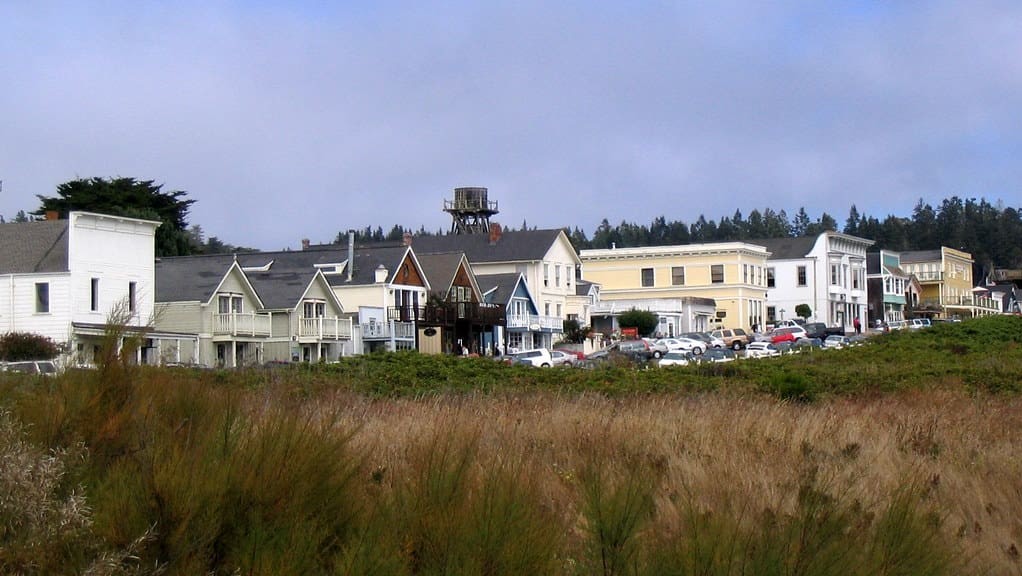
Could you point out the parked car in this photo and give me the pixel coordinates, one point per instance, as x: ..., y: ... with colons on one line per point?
x: 562, y: 358
x: 687, y: 344
x: 710, y: 341
x: 539, y: 357
x: 656, y: 346
x: 785, y: 324
x: 835, y: 341
x: 718, y: 355
x: 677, y: 358
x: 821, y: 330
x: 624, y: 351
x: 787, y: 334
x: 761, y: 350
x: 806, y: 344
x: 567, y: 349
x: 40, y: 367
x: 735, y: 339
x: 897, y: 325
x: 918, y: 323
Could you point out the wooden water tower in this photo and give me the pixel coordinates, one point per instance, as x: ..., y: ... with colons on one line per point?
x: 470, y: 211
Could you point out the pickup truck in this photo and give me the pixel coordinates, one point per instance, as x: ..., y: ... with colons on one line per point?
x: 735, y: 339
x: 821, y: 330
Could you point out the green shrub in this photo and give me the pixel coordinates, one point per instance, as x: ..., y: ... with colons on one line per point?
x: 18, y: 346
x: 791, y: 385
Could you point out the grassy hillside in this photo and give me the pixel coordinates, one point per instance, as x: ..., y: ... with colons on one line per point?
x: 900, y: 457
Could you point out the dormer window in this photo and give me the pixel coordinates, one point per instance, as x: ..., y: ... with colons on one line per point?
x: 230, y: 304
x: 314, y: 309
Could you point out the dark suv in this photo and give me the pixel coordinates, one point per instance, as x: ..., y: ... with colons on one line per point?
x: 623, y: 351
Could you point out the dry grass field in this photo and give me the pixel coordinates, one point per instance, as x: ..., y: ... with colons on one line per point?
x: 402, y: 464
x: 957, y: 457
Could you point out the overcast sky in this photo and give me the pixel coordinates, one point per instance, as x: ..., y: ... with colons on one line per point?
x: 291, y: 120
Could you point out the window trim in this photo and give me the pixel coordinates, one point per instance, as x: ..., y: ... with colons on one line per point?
x: 675, y: 275
x: 42, y: 297
x: 713, y: 274
x: 132, y: 296
x: 642, y: 277
x: 94, y: 294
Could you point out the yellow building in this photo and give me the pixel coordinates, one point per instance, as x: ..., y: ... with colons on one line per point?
x: 946, y: 283
x: 733, y: 274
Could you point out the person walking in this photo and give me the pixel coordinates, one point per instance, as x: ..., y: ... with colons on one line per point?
x: 858, y: 325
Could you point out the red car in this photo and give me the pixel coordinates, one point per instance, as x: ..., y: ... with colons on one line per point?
x: 788, y: 334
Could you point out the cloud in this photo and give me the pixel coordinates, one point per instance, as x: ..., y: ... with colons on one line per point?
x: 292, y: 120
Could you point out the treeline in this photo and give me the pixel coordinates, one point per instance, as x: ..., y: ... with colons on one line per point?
x: 991, y: 233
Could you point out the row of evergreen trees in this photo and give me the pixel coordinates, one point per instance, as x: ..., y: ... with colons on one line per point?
x: 991, y: 233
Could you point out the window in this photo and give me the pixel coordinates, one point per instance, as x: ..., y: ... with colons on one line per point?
x: 94, y: 295
x: 771, y: 313
x: 833, y: 275
x: 557, y: 276
x: 771, y: 283
x: 42, y: 298
x: 132, y: 291
x: 717, y: 273
x: 801, y: 273
x: 546, y: 309
x: 567, y: 276
x: 647, y: 277
x: 745, y: 273
x: 677, y: 275
x: 855, y: 278
x: 558, y: 310
x: 546, y: 274
x: 314, y: 309
x: 228, y: 303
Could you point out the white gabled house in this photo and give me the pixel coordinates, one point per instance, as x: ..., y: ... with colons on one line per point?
x: 65, y: 278
x: 385, y: 286
x: 245, y: 309
x: 826, y: 272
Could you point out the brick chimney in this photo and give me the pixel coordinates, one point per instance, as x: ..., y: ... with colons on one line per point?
x: 52, y: 215
x: 407, y: 239
x: 495, y: 233
x: 305, y: 243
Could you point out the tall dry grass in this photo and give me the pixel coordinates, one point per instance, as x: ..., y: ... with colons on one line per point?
x: 191, y: 473
x: 719, y: 470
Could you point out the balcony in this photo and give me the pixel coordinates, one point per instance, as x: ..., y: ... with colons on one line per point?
x: 982, y: 304
x: 384, y: 331
x: 532, y: 321
x: 324, y: 328
x: 241, y: 324
x: 930, y: 276
x: 447, y: 313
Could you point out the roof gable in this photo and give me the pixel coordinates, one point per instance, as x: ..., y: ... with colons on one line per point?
x: 34, y: 247
x: 503, y: 288
x: 786, y: 248
x: 511, y: 246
